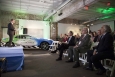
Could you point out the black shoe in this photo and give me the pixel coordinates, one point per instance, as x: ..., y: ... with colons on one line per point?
x: 58, y: 59
x: 101, y: 72
x: 89, y: 68
x: 10, y: 46
x: 76, y: 65
x: 53, y: 51
x: 68, y: 61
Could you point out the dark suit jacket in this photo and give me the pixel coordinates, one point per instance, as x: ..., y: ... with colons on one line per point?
x: 106, y: 44
x: 11, y: 29
x: 72, y: 41
x: 85, y: 44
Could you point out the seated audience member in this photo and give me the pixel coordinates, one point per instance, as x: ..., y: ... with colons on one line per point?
x: 98, y: 38
x: 95, y: 36
x: 61, y: 37
x: 81, y: 47
x: 91, y: 39
x: 91, y: 36
x: 99, y: 35
x: 63, y: 46
x: 65, y: 38
x: 70, y: 53
x: 77, y: 37
x: 104, y: 50
x: 74, y: 35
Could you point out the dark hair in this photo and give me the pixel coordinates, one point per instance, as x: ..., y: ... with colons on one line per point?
x: 12, y: 19
x: 91, y: 34
x: 94, y: 33
x: 71, y: 32
x: 65, y: 34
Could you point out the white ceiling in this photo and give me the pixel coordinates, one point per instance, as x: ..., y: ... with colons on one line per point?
x: 44, y: 7
x: 39, y: 7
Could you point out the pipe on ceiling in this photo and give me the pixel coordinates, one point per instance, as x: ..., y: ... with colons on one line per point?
x: 59, y: 8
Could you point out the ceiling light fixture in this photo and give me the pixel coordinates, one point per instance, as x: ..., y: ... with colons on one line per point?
x: 97, y: 18
x: 108, y: 3
x: 86, y: 7
x: 91, y: 24
x: 87, y: 25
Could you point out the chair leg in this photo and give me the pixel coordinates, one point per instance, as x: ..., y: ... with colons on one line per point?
x: 113, y: 69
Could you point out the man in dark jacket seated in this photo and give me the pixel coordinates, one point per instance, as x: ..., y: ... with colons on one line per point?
x: 104, y: 50
x: 63, y: 46
x: 81, y: 47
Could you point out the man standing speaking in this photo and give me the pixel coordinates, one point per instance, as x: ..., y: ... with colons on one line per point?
x: 11, y: 31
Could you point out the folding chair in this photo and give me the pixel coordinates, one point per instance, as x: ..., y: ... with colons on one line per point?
x: 83, y: 58
x: 65, y: 54
x: 54, y: 45
x: 110, y: 66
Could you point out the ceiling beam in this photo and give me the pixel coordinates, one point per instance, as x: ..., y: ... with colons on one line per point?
x: 75, y: 7
x: 59, y: 8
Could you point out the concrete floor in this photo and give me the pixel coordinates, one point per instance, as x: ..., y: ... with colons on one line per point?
x: 40, y: 63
